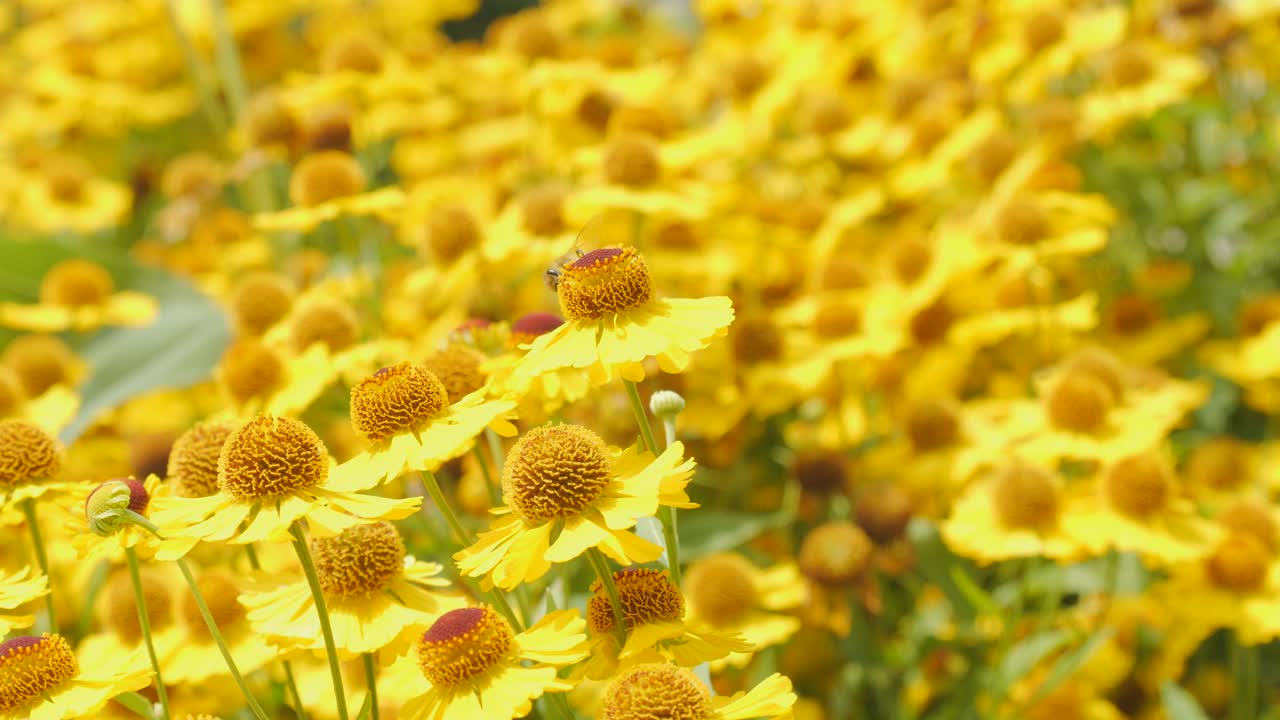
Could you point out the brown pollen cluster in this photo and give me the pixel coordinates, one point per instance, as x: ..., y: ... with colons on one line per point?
x: 1240, y: 563
x: 452, y: 231
x: 32, y: 666
x: 394, y: 399
x: 757, y: 339
x: 261, y: 300
x: 632, y: 160
x: 193, y: 461
x: 462, y: 644
x: 359, y: 561
x: 76, y: 283
x: 1079, y: 402
x: 650, y: 692
x: 324, y: 176
x: 40, y: 362
x: 647, y: 596
x: 720, y: 588
x: 1139, y: 484
x: 932, y: 424
x: 27, y: 453
x: 556, y: 471
x: 459, y: 368
x: 834, y: 554
x: 328, y: 321
x: 270, y: 457
x: 604, y: 281
x: 251, y: 370
x: 269, y: 122
x: 1025, y: 496
x: 820, y: 471
x: 883, y: 510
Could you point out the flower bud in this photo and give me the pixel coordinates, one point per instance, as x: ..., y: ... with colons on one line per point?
x: 666, y: 404
x: 106, y: 507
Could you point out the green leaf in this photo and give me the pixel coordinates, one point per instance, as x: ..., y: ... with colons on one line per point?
x: 1024, y: 656
x: 178, y: 349
x: 366, y: 708
x: 1179, y: 703
x: 136, y: 704
x: 935, y: 562
x: 707, y: 532
x: 1070, y: 662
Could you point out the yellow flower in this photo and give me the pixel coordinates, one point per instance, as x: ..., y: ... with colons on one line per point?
x: 67, y: 197
x: 78, y: 295
x: 477, y: 667
x: 662, y: 691
x: 1012, y: 513
x: 98, y: 527
x: 1139, y: 78
x: 636, y: 175
x: 599, y: 495
x: 373, y: 591
x: 51, y: 410
x: 17, y: 589
x: 728, y: 594
x: 613, y: 322
x: 198, y: 658
x: 42, y: 679
x: 1138, y: 508
x: 325, y: 186
x: 255, y: 377
x: 653, y: 611
x: 404, y: 412
x: 546, y: 392
x: 272, y: 472
x: 31, y: 465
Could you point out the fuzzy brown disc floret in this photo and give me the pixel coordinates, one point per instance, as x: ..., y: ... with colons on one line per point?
x: 834, y: 554
x: 324, y: 176
x: 452, y: 231
x: 720, y: 588
x: 757, y: 339
x: 1025, y: 496
x: 647, y: 596
x: 75, y: 283
x: 193, y: 461
x: 1219, y: 464
x: 270, y: 457
x: 32, y: 666
x: 40, y: 362
x: 1239, y: 563
x: 251, y: 370
x: 328, y: 321
x: 556, y: 471
x: 261, y: 300
x: 27, y: 453
x: 463, y: 644
x: 396, y: 399
x: 836, y: 319
x: 604, y: 281
x: 1079, y: 402
x: 932, y: 424
x: 632, y: 160
x: 359, y: 561
x: 656, y: 692
x: 1139, y: 485
x: 542, y: 209
x: 460, y: 369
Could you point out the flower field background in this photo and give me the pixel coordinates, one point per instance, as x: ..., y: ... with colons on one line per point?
x: 639, y: 361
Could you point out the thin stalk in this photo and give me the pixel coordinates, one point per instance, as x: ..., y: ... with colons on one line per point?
x: 254, y: 707
x: 144, y: 622
x: 1244, y: 669
x: 213, y: 112
x: 495, y: 450
x: 33, y: 526
x: 495, y: 494
x: 256, y: 564
x: 228, y: 56
x: 460, y: 534
x: 601, y: 566
x: 371, y: 681
x: 667, y: 515
x: 642, y: 418
x: 322, y: 610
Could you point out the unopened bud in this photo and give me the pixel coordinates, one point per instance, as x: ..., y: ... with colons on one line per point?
x: 107, y: 506
x: 666, y: 404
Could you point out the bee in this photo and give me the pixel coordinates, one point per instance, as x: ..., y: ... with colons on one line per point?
x: 552, y: 275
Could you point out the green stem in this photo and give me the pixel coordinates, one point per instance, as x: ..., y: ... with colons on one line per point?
x: 601, y: 566
x: 256, y: 564
x: 371, y: 680
x: 495, y: 450
x: 322, y: 610
x: 213, y: 112
x: 495, y: 494
x: 462, y: 536
x: 228, y: 56
x: 33, y: 526
x: 642, y: 418
x: 665, y: 514
x: 144, y: 622
x: 218, y: 639
x: 1243, y: 662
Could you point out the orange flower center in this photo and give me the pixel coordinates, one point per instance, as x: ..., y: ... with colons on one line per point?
x: 40, y: 362
x: 556, y: 471
x: 395, y: 399
x: 645, y: 692
x: 756, y: 339
x: 834, y: 554
x: 261, y: 300
x: 76, y: 283
x: 1139, y: 485
x: 1043, y: 28
x: 1025, y: 496
x: 932, y: 425
x: 1022, y: 222
x: 1240, y: 563
x: 720, y: 588
x: 1251, y: 517
x: 1079, y: 402
x: 270, y: 457
x: 463, y: 644
x: 459, y: 368
x: 332, y: 323
x: 604, y: 281
x: 632, y: 160
x: 324, y: 176
x: 451, y: 233
x: 251, y: 370
x: 528, y: 327
x: 647, y: 596
x: 359, y: 561
x: 837, y: 319
x: 1220, y: 464
x: 32, y: 666
x: 27, y: 453
x: 542, y: 208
